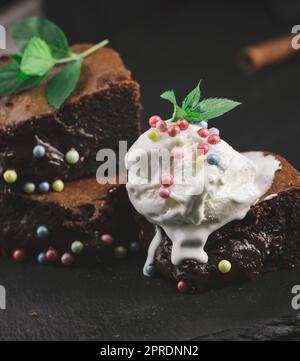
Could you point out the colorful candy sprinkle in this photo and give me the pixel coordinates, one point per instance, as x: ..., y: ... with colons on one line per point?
x: 151, y: 270
x: 213, y: 159
x: 29, y: 188
x: 161, y: 126
x: 203, y: 132
x: 181, y: 287
x: 134, y: 247
x: 200, y: 162
x: 153, y: 120
x: 203, y: 124
x: 72, y: 157
x: 215, y: 131
x: 18, y: 255
x: 42, y: 259
x: 77, y: 247
x: 67, y: 259
x: 182, y: 124
x: 164, y: 192
x: 42, y: 232
x: 224, y: 266
x: 58, y: 185
x: 51, y: 255
x: 166, y: 181
x: 120, y: 252
x: 179, y: 141
x: 44, y: 187
x: 177, y: 153
x: 39, y: 151
x: 107, y: 239
x: 10, y: 176
x: 154, y: 135
x: 213, y: 139
x: 203, y: 148
x: 173, y: 130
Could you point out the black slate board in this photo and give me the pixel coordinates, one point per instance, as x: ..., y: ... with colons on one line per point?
x: 171, y: 45
x: 119, y: 303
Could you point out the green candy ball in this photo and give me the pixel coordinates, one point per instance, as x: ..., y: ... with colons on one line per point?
x: 120, y: 252
x: 72, y: 157
x: 224, y: 266
x: 154, y: 135
x: 10, y: 176
x: 58, y: 186
x: 29, y: 188
x: 77, y: 247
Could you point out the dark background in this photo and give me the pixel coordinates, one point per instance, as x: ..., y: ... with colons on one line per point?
x: 172, y: 44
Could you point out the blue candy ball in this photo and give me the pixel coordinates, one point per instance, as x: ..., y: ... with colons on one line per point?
x: 39, y: 151
x: 42, y: 232
x: 203, y: 124
x: 213, y: 159
x: 214, y: 131
x: 42, y: 259
x: 151, y: 270
x: 134, y: 247
x: 44, y: 187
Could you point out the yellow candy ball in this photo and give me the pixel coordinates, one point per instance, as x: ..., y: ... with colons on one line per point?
x: 10, y: 176
x: 58, y: 186
x: 224, y: 266
x: 154, y: 135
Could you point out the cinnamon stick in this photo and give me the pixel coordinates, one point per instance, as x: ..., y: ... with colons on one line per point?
x: 254, y: 57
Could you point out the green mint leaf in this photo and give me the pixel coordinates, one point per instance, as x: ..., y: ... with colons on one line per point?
x: 170, y: 96
x: 214, y: 107
x: 61, y: 86
x: 194, y: 117
x: 191, y: 101
x: 12, y: 83
x: 22, y: 31
x: 37, y: 58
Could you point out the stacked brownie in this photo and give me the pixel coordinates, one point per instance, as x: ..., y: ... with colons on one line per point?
x: 46, y: 148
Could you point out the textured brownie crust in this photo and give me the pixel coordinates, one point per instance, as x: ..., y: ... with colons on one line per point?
x: 268, y: 238
x: 104, y: 108
x: 84, y: 211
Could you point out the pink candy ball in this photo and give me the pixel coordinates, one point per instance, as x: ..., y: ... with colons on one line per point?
x: 161, y: 126
x: 181, y: 287
x: 173, y: 130
x: 177, y: 152
x: 182, y: 124
x: 51, y: 255
x: 67, y: 259
x: 166, y: 181
x: 164, y: 192
x: 107, y: 239
x: 203, y: 148
x: 153, y: 120
x: 203, y: 132
x: 18, y: 255
x: 213, y: 139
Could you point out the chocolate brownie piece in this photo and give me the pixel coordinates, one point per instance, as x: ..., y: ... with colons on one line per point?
x: 268, y: 238
x: 104, y: 108
x: 83, y: 212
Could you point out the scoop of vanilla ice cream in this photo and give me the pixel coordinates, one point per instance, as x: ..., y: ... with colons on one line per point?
x: 218, y: 187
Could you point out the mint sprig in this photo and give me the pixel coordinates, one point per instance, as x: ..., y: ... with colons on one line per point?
x: 194, y: 109
x: 43, y: 45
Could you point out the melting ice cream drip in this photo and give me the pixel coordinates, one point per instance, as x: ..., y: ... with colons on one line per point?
x: 227, y: 185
